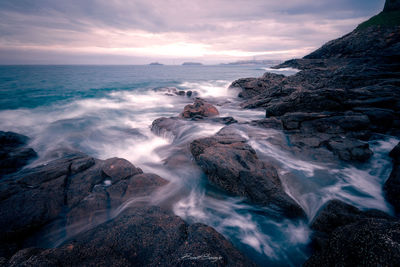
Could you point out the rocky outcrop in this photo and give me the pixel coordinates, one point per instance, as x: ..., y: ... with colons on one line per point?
x: 347, y: 92
x: 392, y: 184
x: 392, y: 5
x: 75, y: 188
x: 143, y: 236
x: 232, y: 165
x: 345, y: 236
x: 83, y: 203
x: 173, y: 91
x: 13, y: 152
x: 200, y: 108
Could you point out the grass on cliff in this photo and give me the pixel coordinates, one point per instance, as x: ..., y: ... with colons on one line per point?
x: 388, y: 19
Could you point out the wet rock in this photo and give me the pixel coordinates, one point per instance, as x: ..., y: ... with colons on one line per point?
x: 119, y: 169
x: 349, y: 89
x: 189, y: 93
x: 75, y: 188
x: 199, y: 108
x: 253, y: 86
x: 335, y: 214
x: 349, y: 149
x: 143, y: 236
x: 267, y: 123
x: 13, y: 152
x: 224, y: 120
x: 392, y: 184
x: 166, y: 126
x: 346, y: 236
x: 231, y: 164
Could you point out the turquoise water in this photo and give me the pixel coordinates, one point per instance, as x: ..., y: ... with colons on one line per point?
x: 33, y: 86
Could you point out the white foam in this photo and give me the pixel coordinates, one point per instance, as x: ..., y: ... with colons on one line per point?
x: 217, y: 88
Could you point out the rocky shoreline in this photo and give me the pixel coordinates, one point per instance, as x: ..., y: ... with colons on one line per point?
x: 76, y: 210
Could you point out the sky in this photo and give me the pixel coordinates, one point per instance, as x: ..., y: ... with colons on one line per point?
x: 172, y: 31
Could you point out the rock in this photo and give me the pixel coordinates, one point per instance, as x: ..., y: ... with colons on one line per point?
x: 189, y: 93
x: 395, y: 153
x: 349, y: 89
x: 391, y: 5
x: 253, y: 86
x: 119, y: 169
x: 233, y: 166
x: 63, y: 192
x: 143, y: 236
x: 349, y: 149
x: 224, y: 120
x: 267, y: 123
x: 167, y: 126
x: 199, y: 108
x: 13, y: 152
x: 392, y: 184
x: 346, y: 236
x: 335, y: 214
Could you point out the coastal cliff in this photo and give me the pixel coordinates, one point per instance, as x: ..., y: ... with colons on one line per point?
x: 346, y: 94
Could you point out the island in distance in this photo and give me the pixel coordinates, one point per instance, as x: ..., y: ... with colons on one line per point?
x: 156, y: 64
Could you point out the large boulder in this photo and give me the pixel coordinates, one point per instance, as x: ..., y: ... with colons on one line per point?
x: 13, y: 152
x: 346, y: 236
x: 199, y: 108
x: 232, y: 165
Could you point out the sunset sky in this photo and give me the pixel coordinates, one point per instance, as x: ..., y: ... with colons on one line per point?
x: 171, y: 31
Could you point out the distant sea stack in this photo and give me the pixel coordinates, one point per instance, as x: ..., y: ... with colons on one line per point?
x: 156, y: 64
x: 191, y: 64
x: 392, y: 5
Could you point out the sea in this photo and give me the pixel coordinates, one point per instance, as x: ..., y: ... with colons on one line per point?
x: 107, y: 111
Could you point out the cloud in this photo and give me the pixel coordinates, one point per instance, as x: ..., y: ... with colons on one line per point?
x: 201, y: 29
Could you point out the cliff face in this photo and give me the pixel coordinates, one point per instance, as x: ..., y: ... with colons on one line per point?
x: 392, y: 5
x: 374, y: 38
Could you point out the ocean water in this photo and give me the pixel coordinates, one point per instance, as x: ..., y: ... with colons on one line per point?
x: 107, y: 111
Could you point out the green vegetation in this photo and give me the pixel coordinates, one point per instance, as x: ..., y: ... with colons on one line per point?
x: 388, y: 19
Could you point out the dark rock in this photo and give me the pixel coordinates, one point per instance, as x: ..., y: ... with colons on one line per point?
x: 349, y: 149
x: 395, y: 153
x: 63, y: 192
x: 273, y: 123
x: 224, y: 120
x: 189, y: 93
x: 392, y: 184
x: 13, y: 152
x: 346, y: 236
x: 392, y: 5
x: 335, y: 214
x: 233, y: 165
x: 349, y: 89
x: 118, y: 169
x: 366, y: 42
x: 199, y: 108
x: 253, y: 86
x: 143, y: 236
x: 163, y: 126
